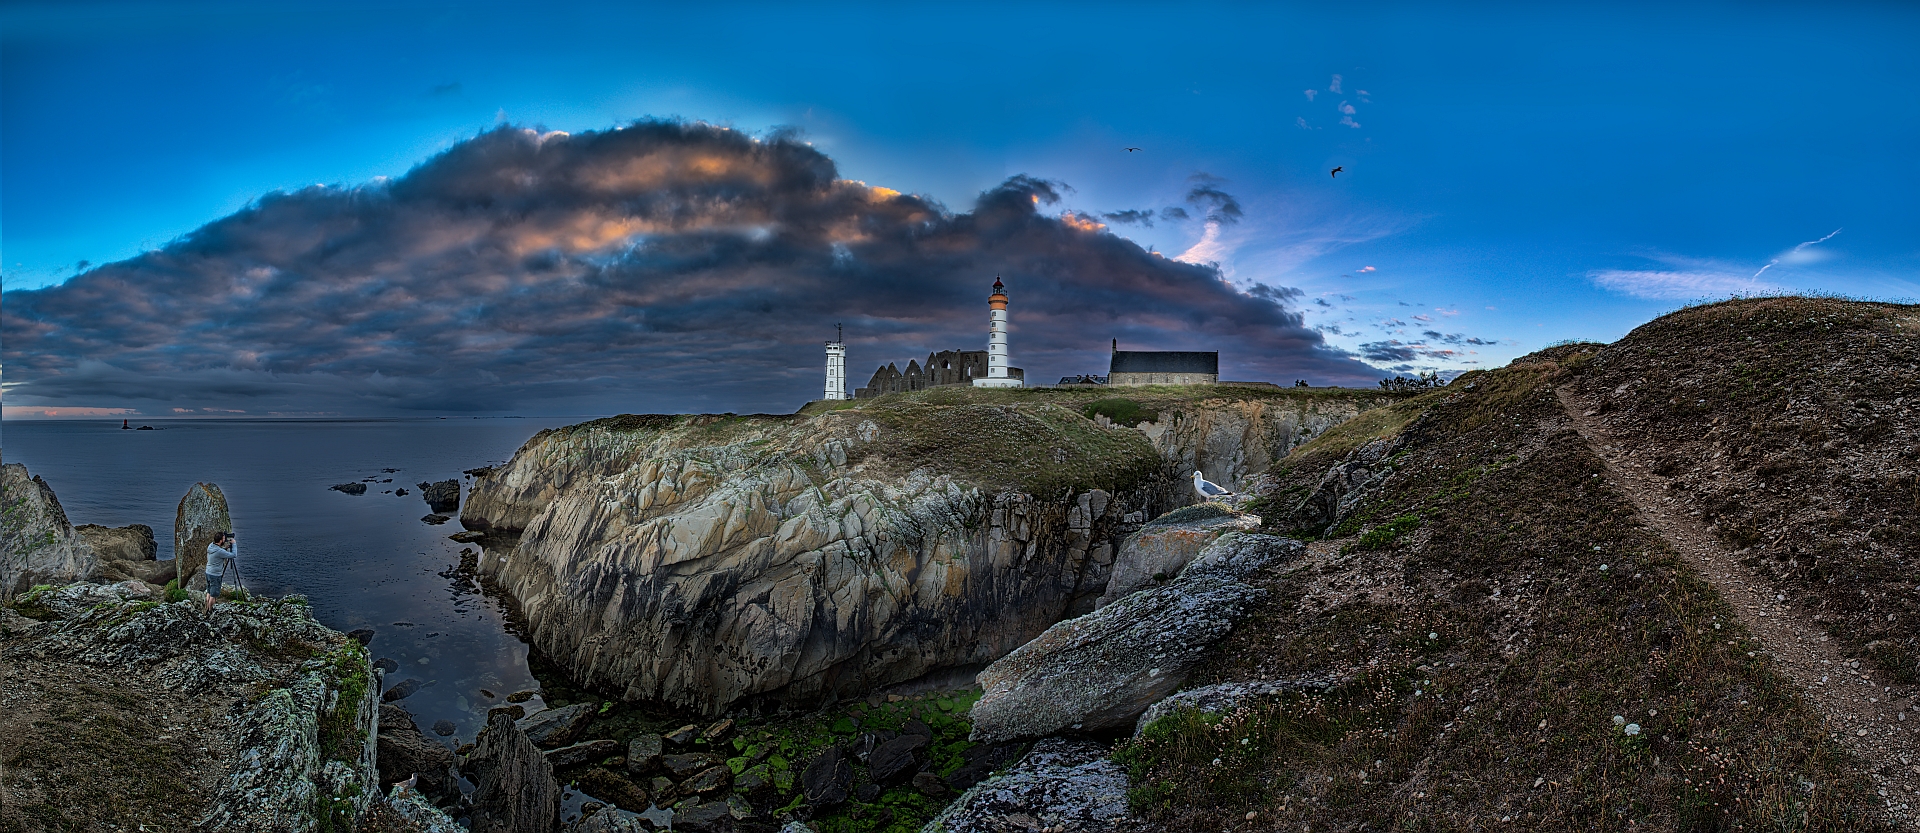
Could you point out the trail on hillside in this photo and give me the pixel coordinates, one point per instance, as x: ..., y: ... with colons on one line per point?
x: 1875, y: 719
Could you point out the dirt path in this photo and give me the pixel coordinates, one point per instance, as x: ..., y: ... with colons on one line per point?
x: 1877, y: 720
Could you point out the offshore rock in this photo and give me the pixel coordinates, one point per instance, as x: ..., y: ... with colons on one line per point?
x: 37, y: 544
x: 1160, y: 551
x: 278, y: 708
x: 1061, y: 785
x: 1099, y: 672
x: 443, y: 496
x: 201, y: 517
x: 515, y: 790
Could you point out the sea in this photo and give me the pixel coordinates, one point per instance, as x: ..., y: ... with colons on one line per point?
x: 362, y: 561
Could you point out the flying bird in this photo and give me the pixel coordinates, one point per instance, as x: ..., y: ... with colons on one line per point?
x: 1130, y: 150
x: 1335, y: 173
x: 1208, y: 490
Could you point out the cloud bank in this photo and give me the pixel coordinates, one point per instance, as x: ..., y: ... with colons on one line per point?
x: 661, y: 266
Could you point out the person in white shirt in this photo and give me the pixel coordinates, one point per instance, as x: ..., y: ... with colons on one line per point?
x: 219, y: 561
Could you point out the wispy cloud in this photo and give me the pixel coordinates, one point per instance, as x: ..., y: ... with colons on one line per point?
x: 1794, y: 255
x: 1365, y: 269
x: 1678, y: 285
x: 1335, y: 86
x: 1311, y: 94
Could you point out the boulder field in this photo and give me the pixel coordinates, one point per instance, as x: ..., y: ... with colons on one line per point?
x: 706, y: 561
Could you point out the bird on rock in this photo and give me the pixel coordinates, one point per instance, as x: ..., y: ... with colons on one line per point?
x: 1208, y: 490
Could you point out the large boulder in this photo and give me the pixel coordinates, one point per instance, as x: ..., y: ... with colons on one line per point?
x: 1098, y: 673
x: 1160, y: 550
x: 200, y: 519
x: 515, y: 791
x: 443, y: 496
x: 37, y: 544
x: 1060, y: 785
x: 405, y: 752
x: 133, y: 542
x: 554, y: 728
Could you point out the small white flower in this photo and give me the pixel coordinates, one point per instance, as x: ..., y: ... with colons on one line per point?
x: 1619, y: 721
x: 1603, y: 568
x: 1633, y: 729
x: 1432, y: 635
x: 1216, y: 761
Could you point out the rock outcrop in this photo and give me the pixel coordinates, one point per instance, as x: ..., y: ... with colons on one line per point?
x: 789, y: 561
x: 201, y: 517
x: 1160, y: 550
x: 1099, y: 672
x: 258, y: 718
x: 1060, y: 785
x: 514, y: 787
x: 443, y: 496
x: 127, y: 552
x: 1221, y: 698
x: 1231, y: 440
x: 37, y: 544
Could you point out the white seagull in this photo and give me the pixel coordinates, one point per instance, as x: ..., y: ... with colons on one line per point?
x: 1207, y: 490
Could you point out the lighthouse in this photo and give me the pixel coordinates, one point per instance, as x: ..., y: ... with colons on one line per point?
x: 837, y: 365
x: 997, y: 359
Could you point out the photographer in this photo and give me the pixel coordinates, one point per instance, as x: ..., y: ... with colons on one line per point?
x: 220, y: 561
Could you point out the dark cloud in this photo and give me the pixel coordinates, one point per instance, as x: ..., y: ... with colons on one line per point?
x: 1216, y: 205
x: 1131, y: 217
x: 661, y: 266
x: 1174, y: 212
x: 1388, y: 351
x: 1455, y: 338
x: 1323, y: 302
x: 449, y: 88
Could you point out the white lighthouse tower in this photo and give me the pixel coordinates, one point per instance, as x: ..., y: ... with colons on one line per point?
x: 837, y: 365
x: 997, y: 359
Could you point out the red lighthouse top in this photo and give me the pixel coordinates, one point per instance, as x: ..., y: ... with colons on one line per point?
x: 998, y: 288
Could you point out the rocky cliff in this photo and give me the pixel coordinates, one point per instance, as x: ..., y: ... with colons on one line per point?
x: 703, y: 561
x: 37, y: 543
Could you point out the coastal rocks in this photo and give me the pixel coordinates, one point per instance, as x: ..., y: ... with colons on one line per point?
x: 350, y: 488
x: 1161, y: 549
x: 289, y: 734
x: 1225, y: 697
x: 126, y: 552
x: 416, y: 812
x: 434, y: 520
x: 580, y: 753
x: 552, y: 728
x: 133, y: 542
x: 515, y: 791
x: 201, y: 517
x: 406, y: 753
x: 827, y: 779
x: 1061, y: 784
x: 37, y: 544
x: 1343, y: 487
x: 643, y: 754
x: 655, y: 563
x: 1229, y: 441
x: 443, y: 496
x: 895, y: 761
x: 1099, y: 672
x: 402, y: 690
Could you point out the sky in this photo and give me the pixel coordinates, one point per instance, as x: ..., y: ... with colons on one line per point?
x: 415, y: 208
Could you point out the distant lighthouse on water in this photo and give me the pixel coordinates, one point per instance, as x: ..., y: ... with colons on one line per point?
x: 837, y: 364
x: 997, y: 359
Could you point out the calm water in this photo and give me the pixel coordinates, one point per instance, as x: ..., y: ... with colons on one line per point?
x: 363, y: 561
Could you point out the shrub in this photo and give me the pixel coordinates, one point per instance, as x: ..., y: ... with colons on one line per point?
x: 1384, y: 535
x: 174, y: 592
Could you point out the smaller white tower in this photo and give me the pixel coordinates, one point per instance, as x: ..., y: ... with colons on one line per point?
x: 837, y: 365
x: 997, y: 358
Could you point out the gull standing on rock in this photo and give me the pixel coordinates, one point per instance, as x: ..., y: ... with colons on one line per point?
x: 1208, y: 490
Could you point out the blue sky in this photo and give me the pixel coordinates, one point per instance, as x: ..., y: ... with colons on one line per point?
x: 1513, y: 175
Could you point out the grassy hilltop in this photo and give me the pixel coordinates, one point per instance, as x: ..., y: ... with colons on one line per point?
x: 1522, y: 643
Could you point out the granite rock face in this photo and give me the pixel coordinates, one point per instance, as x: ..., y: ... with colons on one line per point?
x: 201, y: 517
x: 126, y: 552
x: 1099, y: 672
x: 257, y: 685
x: 1163, y: 550
x: 552, y: 728
x: 1060, y: 785
x: 515, y: 791
x: 37, y: 544
x: 774, y: 566
x: 1229, y: 441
